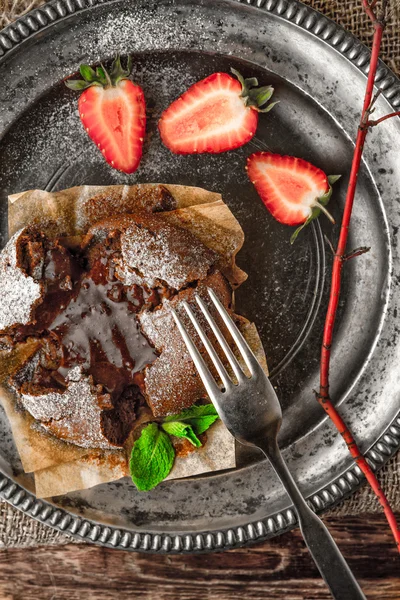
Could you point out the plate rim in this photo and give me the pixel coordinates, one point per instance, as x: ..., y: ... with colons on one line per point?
x: 343, y: 486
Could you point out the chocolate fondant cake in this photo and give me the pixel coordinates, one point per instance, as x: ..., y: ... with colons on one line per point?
x: 100, y: 308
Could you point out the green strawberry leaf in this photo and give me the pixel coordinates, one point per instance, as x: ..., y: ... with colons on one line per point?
x: 261, y: 95
x: 314, y: 215
x: 118, y: 72
x: 88, y: 73
x: 252, y: 95
x: 101, y: 75
x: 77, y: 84
x: 240, y: 78
x: 319, y: 206
x: 325, y: 198
x: 129, y: 65
x: 251, y: 82
x: 182, y: 430
x: 152, y: 458
x: 333, y: 178
x: 109, y: 83
x: 200, y: 417
x: 268, y: 108
x: 116, y: 67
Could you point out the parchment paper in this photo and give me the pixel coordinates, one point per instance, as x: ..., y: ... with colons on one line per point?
x: 60, y: 467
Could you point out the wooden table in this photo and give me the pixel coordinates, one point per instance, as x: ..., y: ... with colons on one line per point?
x: 280, y: 568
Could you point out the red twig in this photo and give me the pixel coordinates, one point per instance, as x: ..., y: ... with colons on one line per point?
x: 338, y: 262
x: 369, y: 9
x: 377, y: 121
x: 356, y: 252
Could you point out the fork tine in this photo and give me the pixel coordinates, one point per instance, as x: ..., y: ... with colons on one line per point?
x: 241, y: 343
x: 209, y: 347
x: 221, y: 340
x: 209, y: 383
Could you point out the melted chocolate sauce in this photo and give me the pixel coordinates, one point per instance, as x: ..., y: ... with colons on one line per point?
x: 88, y: 319
x: 98, y: 329
x: 92, y: 320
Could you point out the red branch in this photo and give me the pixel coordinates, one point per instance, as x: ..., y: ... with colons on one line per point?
x: 389, y: 116
x: 339, y: 261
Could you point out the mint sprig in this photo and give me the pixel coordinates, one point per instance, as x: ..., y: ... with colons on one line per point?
x: 153, y: 454
x: 152, y: 458
x: 200, y: 417
x: 182, y: 430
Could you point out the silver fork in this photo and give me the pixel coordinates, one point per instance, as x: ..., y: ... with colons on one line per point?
x: 256, y: 422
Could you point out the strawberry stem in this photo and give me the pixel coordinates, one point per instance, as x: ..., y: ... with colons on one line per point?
x: 101, y: 76
x: 326, y: 212
x: 253, y: 96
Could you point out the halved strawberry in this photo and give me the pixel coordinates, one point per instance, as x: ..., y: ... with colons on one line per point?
x: 216, y: 114
x: 293, y: 190
x: 113, y: 112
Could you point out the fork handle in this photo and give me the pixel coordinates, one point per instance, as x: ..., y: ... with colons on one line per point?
x: 327, y: 556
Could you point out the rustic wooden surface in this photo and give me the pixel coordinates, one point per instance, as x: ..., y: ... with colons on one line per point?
x: 280, y: 568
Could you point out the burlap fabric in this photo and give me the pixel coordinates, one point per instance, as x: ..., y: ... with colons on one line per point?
x: 18, y: 530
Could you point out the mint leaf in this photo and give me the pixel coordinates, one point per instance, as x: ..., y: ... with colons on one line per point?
x: 182, y: 430
x: 152, y: 458
x: 200, y: 417
x: 201, y: 424
x: 197, y: 410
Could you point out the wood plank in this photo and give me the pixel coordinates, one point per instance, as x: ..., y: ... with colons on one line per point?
x: 280, y: 568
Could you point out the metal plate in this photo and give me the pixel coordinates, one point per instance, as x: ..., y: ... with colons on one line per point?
x: 318, y: 72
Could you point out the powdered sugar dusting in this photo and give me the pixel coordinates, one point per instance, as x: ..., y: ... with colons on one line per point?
x: 18, y: 291
x: 73, y: 415
x: 157, y: 324
x: 172, y: 381
x: 162, y: 256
